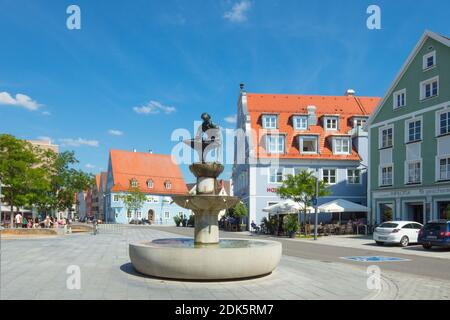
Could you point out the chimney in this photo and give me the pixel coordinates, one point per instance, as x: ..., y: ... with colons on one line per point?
x: 241, y: 86
x: 150, y: 151
x: 312, y: 117
x: 134, y: 150
x: 350, y: 92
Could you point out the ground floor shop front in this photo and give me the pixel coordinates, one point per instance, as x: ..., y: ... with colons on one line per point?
x: 414, y: 204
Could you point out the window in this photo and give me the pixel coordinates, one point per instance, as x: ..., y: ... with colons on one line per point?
x: 299, y: 170
x: 414, y: 128
x: 387, y: 137
x: 353, y: 176
x: 341, y: 145
x: 139, y: 215
x: 444, y: 122
x: 270, y: 121
x: 275, y: 175
x: 168, y: 185
x: 429, y: 60
x: 444, y: 169
x: 414, y: 172
x: 129, y: 214
x: 167, y: 215
x: 429, y: 88
x: 275, y: 143
x: 331, y: 123
x: 133, y: 183
x: 386, y: 176
x: 308, y: 144
x: 400, y: 99
x: 116, y: 198
x: 150, y: 184
x: 329, y: 176
x: 359, y: 122
x: 300, y: 122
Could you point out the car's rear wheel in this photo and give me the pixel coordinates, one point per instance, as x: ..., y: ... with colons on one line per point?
x: 404, y: 241
x: 380, y: 243
x: 427, y: 246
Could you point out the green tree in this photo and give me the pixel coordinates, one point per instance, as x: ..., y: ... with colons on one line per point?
x: 65, y: 181
x: 134, y: 199
x: 301, y: 189
x: 238, y: 211
x: 19, y: 172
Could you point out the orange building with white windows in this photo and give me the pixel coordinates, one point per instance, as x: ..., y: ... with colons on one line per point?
x: 155, y: 175
x: 288, y: 133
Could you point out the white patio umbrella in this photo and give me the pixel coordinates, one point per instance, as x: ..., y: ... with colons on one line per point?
x: 286, y: 207
x: 341, y: 205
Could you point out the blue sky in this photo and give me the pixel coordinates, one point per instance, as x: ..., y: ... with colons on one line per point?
x: 139, y: 69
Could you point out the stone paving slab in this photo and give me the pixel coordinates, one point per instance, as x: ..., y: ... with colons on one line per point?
x: 37, y: 269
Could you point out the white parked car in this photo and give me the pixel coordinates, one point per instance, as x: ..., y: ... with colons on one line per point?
x: 403, y: 232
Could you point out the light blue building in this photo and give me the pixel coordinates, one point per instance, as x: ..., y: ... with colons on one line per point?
x: 155, y: 175
x: 278, y: 135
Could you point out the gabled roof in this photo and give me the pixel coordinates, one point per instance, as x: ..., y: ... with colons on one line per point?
x: 144, y: 166
x: 286, y: 106
x: 426, y: 35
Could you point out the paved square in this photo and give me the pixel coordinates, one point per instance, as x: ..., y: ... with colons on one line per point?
x: 37, y: 269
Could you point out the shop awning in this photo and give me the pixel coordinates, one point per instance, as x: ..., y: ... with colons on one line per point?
x: 8, y: 209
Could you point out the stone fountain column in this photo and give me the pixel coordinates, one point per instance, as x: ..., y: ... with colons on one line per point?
x: 206, y: 225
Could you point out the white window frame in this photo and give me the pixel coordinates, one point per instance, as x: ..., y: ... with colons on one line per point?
x: 407, y: 176
x: 380, y: 136
x: 380, y: 177
x: 395, y: 98
x: 134, y: 183
x: 166, y: 215
x: 423, y: 88
x: 116, y: 198
x: 354, y: 176
x: 438, y: 166
x: 309, y: 137
x: 342, y: 139
x: 277, y: 144
x: 294, y: 121
x: 276, y: 171
x: 438, y: 122
x: 270, y: 126
x: 325, y: 123
x: 407, y: 122
x: 425, y: 66
x: 356, y: 119
x: 335, y: 175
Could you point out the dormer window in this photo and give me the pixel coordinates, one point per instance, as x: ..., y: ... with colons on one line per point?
x: 308, y: 144
x: 133, y: 183
x: 300, y: 122
x: 341, y: 145
x: 331, y: 123
x: 150, y: 183
x: 359, y: 122
x: 270, y: 121
x: 429, y: 60
x: 168, y: 185
x: 275, y: 144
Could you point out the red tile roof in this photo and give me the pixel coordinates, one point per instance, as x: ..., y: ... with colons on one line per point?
x: 288, y: 105
x: 143, y: 166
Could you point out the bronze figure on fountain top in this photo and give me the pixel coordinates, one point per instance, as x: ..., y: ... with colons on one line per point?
x: 203, y: 144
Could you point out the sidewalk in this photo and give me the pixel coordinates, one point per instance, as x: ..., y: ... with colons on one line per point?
x: 367, y: 243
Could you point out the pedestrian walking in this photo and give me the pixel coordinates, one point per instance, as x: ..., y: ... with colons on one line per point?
x: 18, y: 220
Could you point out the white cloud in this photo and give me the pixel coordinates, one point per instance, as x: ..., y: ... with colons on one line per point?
x: 238, y: 12
x: 154, y: 107
x: 20, y: 100
x: 115, y: 132
x: 231, y: 119
x: 89, y: 166
x: 45, y: 138
x: 46, y: 113
x: 68, y: 142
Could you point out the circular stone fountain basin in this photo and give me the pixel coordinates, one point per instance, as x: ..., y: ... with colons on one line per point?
x: 181, y: 258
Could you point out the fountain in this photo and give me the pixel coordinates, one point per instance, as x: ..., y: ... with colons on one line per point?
x: 205, y: 257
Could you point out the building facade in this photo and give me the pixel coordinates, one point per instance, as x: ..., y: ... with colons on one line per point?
x: 157, y: 176
x: 410, y: 138
x: 98, y: 196
x: 278, y: 135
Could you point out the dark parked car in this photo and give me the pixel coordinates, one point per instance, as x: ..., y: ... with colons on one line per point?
x: 435, y: 233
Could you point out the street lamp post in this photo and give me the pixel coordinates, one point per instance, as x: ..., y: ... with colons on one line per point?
x: 316, y: 209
